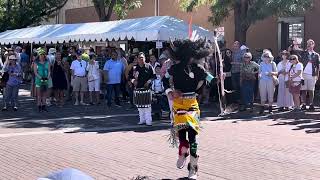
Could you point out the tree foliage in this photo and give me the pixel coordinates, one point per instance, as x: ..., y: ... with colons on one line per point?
x: 105, y: 8
x: 16, y: 14
x: 248, y: 12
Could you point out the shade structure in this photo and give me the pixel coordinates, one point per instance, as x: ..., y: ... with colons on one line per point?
x: 156, y: 28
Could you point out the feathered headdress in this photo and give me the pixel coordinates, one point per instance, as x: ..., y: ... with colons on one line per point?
x: 184, y: 50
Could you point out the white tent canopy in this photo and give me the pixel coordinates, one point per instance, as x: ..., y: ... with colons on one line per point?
x: 157, y: 28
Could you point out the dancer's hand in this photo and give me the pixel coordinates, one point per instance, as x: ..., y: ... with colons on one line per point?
x: 174, y: 94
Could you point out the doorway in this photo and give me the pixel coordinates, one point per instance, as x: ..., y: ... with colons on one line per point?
x: 290, y: 31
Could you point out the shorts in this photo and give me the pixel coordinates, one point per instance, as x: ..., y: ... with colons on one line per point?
x: 94, y: 85
x: 309, y: 83
x: 80, y: 84
x: 295, y: 89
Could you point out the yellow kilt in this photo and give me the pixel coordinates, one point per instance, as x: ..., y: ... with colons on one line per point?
x: 186, y: 113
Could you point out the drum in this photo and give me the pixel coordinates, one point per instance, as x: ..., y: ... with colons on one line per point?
x: 142, y: 98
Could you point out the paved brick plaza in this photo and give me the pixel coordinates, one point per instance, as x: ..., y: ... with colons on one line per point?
x: 108, y: 145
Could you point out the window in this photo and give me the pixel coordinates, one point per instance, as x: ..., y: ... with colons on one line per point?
x: 296, y: 33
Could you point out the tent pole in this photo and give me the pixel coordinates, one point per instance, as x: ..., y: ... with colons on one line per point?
x: 31, y: 48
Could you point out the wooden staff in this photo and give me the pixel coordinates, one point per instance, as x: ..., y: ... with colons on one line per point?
x: 221, y: 73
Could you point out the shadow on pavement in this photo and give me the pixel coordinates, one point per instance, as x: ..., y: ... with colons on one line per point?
x: 97, y: 118
x: 307, y: 121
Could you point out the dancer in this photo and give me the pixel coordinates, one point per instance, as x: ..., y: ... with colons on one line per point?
x: 188, y: 77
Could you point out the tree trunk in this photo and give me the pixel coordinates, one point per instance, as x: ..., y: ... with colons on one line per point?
x: 104, y: 10
x: 240, y: 21
x: 237, y: 21
x: 110, y: 10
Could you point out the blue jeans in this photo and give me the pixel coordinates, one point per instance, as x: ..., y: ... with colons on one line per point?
x: 247, y: 92
x: 11, y: 94
x: 235, y: 77
x: 113, y: 88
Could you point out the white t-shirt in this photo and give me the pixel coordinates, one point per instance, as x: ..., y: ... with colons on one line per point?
x: 93, y: 70
x: 294, y: 70
x: 308, y: 69
x: 79, y: 67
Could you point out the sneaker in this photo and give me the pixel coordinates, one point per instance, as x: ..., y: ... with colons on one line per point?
x: 118, y: 105
x: 141, y: 123
x: 281, y: 109
x: 311, y: 108
x: 303, y: 107
x: 261, y: 110
x: 296, y: 110
x: 15, y: 108
x: 83, y: 104
x: 76, y: 103
x: 4, y: 109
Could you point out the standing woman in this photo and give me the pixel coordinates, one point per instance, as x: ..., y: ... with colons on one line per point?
x: 12, y: 87
x: 42, y: 73
x: 285, y: 99
x: 94, y: 79
x: 294, y: 81
x: 59, y: 79
x: 267, y: 71
x: 248, y: 72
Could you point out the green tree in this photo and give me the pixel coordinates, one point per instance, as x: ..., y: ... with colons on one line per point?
x: 16, y: 14
x: 105, y: 8
x: 248, y: 12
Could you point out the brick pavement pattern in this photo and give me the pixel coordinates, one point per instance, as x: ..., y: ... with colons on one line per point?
x: 238, y: 151
x: 109, y: 145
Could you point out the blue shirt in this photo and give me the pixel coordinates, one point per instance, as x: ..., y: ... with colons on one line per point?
x: 14, y: 80
x: 267, y: 68
x: 115, y: 70
x: 24, y: 57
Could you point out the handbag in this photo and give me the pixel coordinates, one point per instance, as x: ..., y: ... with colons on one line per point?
x: 275, y: 80
x: 5, y: 77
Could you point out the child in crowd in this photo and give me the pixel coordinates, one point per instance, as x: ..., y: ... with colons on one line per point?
x: 157, y: 84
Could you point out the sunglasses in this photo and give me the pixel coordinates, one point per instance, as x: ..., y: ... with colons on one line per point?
x: 292, y: 59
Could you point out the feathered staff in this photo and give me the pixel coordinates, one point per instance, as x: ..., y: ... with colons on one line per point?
x: 221, y: 90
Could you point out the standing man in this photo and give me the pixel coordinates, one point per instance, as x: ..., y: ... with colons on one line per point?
x: 115, y: 69
x: 80, y: 81
x: 310, y: 60
x: 141, y: 76
x: 25, y: 64
x: 235, y: 69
